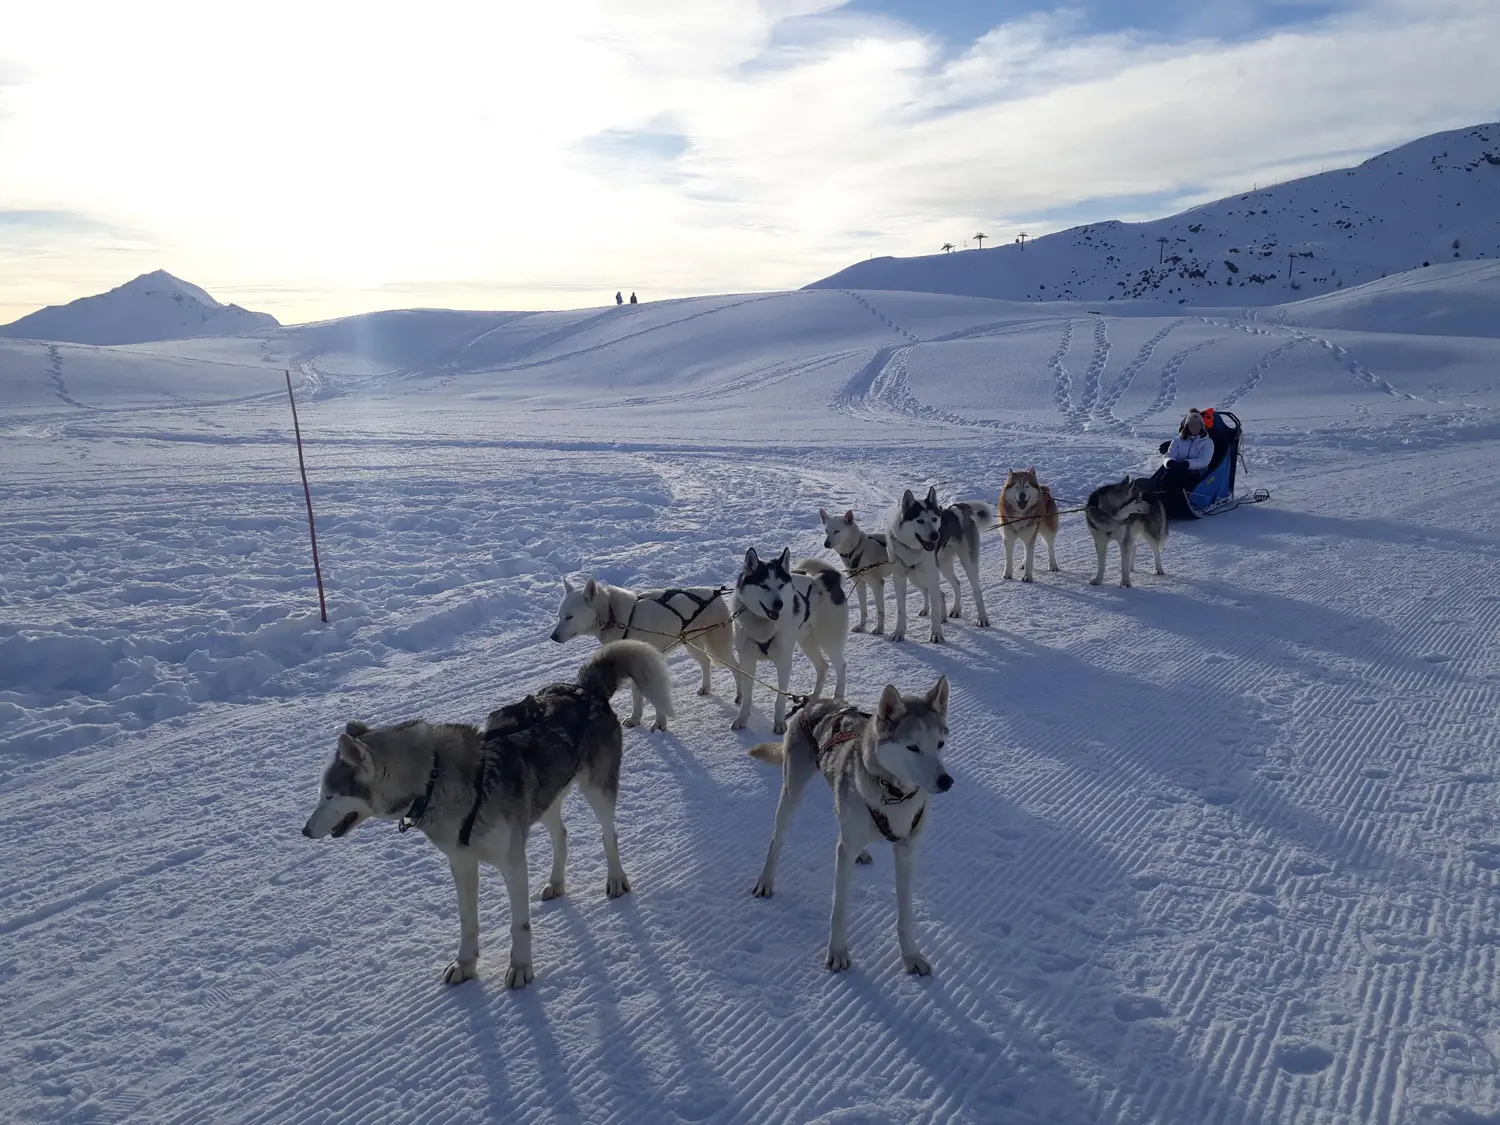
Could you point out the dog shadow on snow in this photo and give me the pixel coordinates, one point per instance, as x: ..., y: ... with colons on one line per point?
x: 1259, y: 527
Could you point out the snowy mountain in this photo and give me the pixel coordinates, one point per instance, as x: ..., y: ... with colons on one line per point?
x: 1434, y: 200
x: 1223, y: 849
x: 155, y: 306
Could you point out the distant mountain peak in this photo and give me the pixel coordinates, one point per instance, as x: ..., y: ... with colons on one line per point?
x: 153, y: 306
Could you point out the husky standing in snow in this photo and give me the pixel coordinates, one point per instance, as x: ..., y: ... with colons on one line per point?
x: 925, y: 539
x: 1026, y: 511
x: 475, y: 795
x: 866, y: 558
x: 1121, y: 512
x: 697, y: 616
x: 776, y: 609
x: 882, y: 769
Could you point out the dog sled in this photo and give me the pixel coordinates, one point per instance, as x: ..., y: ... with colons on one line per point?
x: 1214, y: 493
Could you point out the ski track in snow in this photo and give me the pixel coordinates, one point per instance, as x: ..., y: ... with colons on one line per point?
x: 1224, y: 848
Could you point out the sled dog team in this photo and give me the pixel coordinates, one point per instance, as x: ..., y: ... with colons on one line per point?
x: 476, y: 793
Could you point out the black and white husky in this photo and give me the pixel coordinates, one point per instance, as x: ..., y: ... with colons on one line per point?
x: 475, y: 794
x: 925, y: 539
x: 777, y: 609
x: 882, y: 769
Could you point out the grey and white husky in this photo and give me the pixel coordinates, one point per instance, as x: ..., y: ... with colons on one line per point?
x: 697, y: 616
x: 475, y: 794
x: 777, y: 609
x: 925, y: 539
x: 882, y: 768
x: 1123, y: 512
x: 866, y: 558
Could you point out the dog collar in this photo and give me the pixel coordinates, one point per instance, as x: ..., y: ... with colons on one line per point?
x: 412, y: 818
x: 891, y: 794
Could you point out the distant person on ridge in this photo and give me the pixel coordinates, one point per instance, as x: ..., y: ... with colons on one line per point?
x: 633, y: 301
x: 619, y: 300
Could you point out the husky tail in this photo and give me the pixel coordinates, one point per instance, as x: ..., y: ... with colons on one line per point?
x: 828, y: 576
x: 636, y: 661
x: 771, y: 753
x: 981, y: 512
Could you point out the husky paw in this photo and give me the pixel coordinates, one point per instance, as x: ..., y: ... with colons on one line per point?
x: 552, y: 891
x: 519, y: 975
x: 705, y: 691
x: 922, y: 612
x: 1125, y: 584
x: 898, y: 634
x: 877, y: 631
x: 633, y: 721
x: 660, y: 724
x: 779, y: 726
x: 763, y: 888
x: 1053, y: 567
x: 837, y: 959
x: 1159, y: 570
x: 460, y: 971
x: 955, y: 613
x: 982, y: 623
x: 738, y: 724
x: 916, y: 965
x: 616, y: 885
x: 1093, y: 581
x: 1027, y: 578
x: 864, y: 857
x: 935, y: 639
x: 1008, y: 575
x: 857, y: 628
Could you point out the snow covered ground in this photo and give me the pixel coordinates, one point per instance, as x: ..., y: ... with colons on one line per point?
x: 1223, y: 848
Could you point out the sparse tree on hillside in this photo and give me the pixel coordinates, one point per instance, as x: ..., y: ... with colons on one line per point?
x: 947, y: 248
x: 979, y: 238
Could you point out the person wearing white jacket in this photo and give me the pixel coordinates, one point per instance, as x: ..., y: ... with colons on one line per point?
x: 1186, y: 456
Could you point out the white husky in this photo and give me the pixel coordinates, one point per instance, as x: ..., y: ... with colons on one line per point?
x: 696, y: 616
x: 867, y: 559
x: 777, y: 609
x: 925, y: 540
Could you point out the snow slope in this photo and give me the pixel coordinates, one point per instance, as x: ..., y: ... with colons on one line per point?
x: 154, y: 306
x: 1223, y: 848
x: 1434, y: 200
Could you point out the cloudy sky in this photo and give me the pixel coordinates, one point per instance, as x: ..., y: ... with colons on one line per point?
x: 311, y: 158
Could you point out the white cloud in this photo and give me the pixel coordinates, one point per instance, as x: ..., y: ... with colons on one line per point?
x: 543, y: 155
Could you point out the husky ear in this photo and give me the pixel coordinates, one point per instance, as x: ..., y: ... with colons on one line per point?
x: 752, y: 559
x: 932, y: 495
x: 1032, y: 470
x: 354, y: 752
x: 907, y: 499
x: 590, y: 589
x: 823, y: 514
x: 785, y: 559
x: 354, y: 728
x: 890, y: 708
x: 849, y: 517
x: 938, y: 696
x: 567, y: 586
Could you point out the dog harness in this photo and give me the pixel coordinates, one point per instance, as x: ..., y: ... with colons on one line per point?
x: 664, y: 599
x: 412, y: 818
x: 854, y: 560
x: 844, y: 725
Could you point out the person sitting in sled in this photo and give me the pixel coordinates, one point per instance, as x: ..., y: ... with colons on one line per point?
x: 1187, y: 455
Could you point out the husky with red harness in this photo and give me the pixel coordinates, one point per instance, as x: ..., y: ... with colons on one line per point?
x: 882, y: 768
